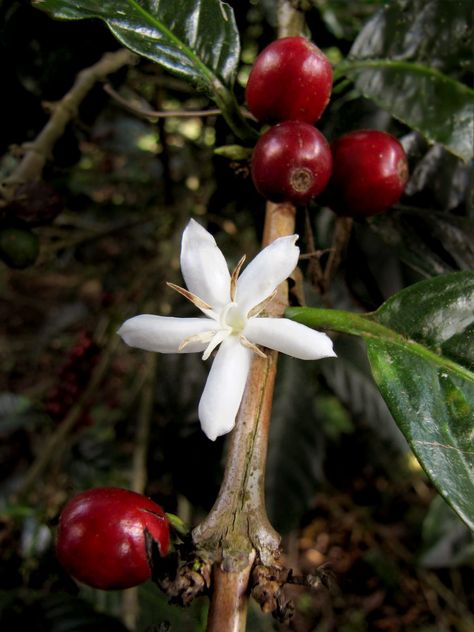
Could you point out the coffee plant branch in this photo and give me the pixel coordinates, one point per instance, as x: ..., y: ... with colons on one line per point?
x: 39, y: 151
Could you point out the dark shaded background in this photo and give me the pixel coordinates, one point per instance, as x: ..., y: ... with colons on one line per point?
x: 342, y: 484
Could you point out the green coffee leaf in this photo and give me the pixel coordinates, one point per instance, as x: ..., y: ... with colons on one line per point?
x: 432, y: 32
x: 421, y: 351
x: 434, y: 409
x: 410, y: 59
x: 423, y: 98
x: 430, y: 242
x: 196, y: 39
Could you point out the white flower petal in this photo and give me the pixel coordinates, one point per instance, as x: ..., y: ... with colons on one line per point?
x: 289, y: 337
x: 215, y: 341
x: 204, y: 267
x: 270, y: 267
x: 224, y: 388
x: 163, y: 333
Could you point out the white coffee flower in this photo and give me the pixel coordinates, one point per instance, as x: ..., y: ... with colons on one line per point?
x: 231, y: 304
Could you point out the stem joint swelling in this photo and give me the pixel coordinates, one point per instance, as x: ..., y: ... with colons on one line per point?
x: 186, y: 574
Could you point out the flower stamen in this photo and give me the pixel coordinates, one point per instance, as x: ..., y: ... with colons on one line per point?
x: 216, y: 340
x: 205, y: 336
x: 234, y: 277
x: 200, y: 304
x: 245, y: 342
x: 258, y: 309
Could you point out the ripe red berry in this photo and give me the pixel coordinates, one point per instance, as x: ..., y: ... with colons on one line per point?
x: 101, y: 537
x: 370, y: 171
x: 291, y: 162
x: 291, y: 79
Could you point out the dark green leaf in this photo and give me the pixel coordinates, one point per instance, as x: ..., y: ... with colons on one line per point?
x: 421, y: 351
x: 436, y: 313
x: 441, y: 177
x: 398, y: 61
x: 193, y: 38
x: 345, y: 19
x: 196, y: 39
x: 434, y: 409
x: 430, y: 242
x: 433, y: 32
x: 423, y: 98
x: 433, y: 404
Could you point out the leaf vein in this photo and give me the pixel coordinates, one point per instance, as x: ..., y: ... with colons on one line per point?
x: 437, y: 444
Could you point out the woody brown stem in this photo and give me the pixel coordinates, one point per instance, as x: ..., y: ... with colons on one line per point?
x: 39, y: 151
x: 230, y: 599
x: 237, y: 529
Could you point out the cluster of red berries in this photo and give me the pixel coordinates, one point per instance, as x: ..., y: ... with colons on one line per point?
x: 104, y: 537
x: 362, y: 173
x: 73, y: 378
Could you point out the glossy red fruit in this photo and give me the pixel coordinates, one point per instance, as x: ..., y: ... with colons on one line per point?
x: 370, y: 171
x: 101, y: 537
x: 291, y: 79
x: 291, y: 162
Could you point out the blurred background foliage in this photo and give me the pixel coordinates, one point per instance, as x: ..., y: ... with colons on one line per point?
x: 342, y: 485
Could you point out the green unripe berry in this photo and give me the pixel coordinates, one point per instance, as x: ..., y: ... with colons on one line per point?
x: 19, y: 247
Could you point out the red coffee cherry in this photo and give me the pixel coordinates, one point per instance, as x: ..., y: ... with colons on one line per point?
x: 291, y: 79
x: 291, y: 162
x: 370, y: 171
x: 101, y: 537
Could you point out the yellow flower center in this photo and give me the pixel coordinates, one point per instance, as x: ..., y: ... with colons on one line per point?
x: 232, y: 317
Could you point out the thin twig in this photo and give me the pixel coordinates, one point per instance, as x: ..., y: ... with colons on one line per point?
x: 154, y: 115
x: 450, y: 598
x: 315, y: 254
x: 39, y: 151
x: 56, y: 440
x: 87, y: 235
x: 137, y: 288
x: 145, y: 410
x: 315, y: 270
x: 130, y: 603
x: 342, y: 234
